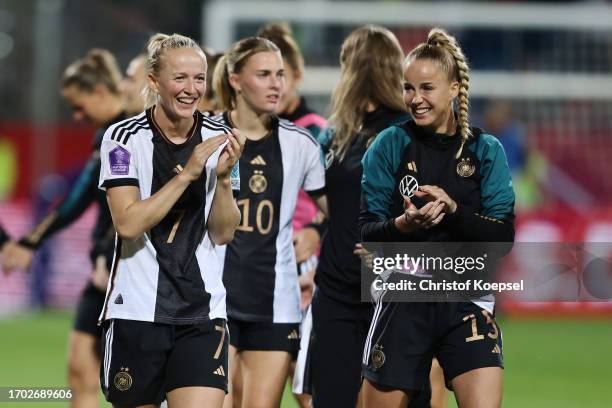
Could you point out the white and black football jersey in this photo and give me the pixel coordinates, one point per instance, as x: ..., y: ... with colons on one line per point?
x: 259, y: 268
x: 172, y: 273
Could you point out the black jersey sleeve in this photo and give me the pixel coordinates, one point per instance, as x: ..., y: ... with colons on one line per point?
x: 71, y: 207
x: 375, y: 230
x: 476, y: 227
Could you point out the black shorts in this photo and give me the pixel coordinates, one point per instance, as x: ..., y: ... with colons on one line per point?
x: 264, y: 336
x: 88, y: 311
x: 404, y: 337
x: 142, y: 361
x: 338, y: 337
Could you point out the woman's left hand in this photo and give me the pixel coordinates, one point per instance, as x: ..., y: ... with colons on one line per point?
x: 433, y: 193
x: 230, y: 154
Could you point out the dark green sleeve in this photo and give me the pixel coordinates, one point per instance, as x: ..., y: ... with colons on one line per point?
x: 380, y: 164
x: 325, y: 136
x: 496, y: 182
x: 495, y: 220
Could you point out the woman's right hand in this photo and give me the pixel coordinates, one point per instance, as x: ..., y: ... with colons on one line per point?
x: 425, y: 217
x: 15, y: 256
x: 196, y: 163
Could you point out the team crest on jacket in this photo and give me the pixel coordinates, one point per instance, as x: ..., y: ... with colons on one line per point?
x: 408, y: 186
x: 465, y: 168
x: 258, y: 182
x: 123, y: 379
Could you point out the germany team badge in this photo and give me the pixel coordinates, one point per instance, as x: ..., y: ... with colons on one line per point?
x: 378, y: 357
x: 465, y: 168
x: 258, y: 182
x: 123, y: 379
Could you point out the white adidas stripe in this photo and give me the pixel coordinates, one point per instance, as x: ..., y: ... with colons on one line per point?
x: 368, y: 343
x: 108, y: 353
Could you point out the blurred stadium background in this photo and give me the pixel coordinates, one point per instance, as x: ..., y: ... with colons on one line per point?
x: 541, y: 82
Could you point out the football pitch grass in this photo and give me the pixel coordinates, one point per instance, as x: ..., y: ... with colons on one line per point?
x: 549, y: 363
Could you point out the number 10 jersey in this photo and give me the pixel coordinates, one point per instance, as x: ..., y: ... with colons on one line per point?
x: 260, y: 271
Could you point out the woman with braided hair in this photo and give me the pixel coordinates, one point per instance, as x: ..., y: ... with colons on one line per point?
x: 465, y: 195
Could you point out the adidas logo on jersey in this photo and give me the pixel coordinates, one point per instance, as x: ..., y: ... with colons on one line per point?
x: 258, y: 161
x: 496, y: 350
x: 294, y: 335
x: 220, y: 371
x: 412, y: 166
x: 119, y: 299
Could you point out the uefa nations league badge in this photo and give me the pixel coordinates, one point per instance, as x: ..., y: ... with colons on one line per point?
x: 119, y: 161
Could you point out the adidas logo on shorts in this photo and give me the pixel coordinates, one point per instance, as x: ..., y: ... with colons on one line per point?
x: 294, y: 335
x: 220, y: 371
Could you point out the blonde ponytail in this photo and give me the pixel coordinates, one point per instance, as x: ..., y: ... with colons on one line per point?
x: 99, y: 66
x: 224, y: 91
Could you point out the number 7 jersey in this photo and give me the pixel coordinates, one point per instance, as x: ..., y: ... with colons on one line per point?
x: 259, y: 270
x: 170, y: 274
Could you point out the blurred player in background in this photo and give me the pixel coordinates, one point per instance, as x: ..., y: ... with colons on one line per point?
x: 260, y: 270
x: 293, y: 107
x: 91, y: 87
x: 209, y: 104
x: 167, y: 175
x: 369, y: 55
x: 465, y: 195
x: 133, y: 84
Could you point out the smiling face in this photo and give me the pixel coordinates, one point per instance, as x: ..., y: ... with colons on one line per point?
x: 429, y: 95
x: 181, y: 82
x: 260, y: 83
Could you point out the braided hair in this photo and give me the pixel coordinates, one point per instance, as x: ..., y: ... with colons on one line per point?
x: 444, y: 49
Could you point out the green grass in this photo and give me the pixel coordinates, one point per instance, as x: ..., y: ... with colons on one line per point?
x: 560, y: 363
x: 33, y: 352
x: 549, y: 363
